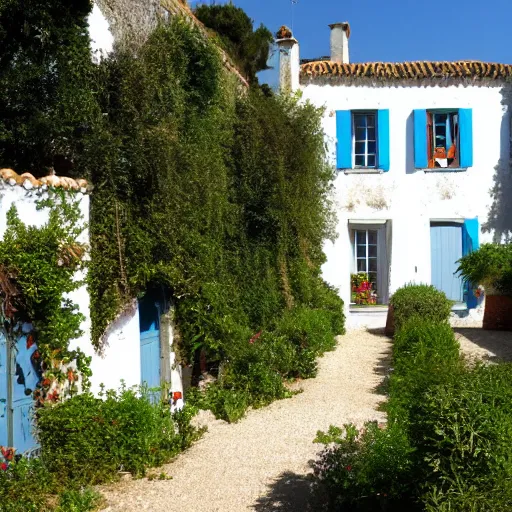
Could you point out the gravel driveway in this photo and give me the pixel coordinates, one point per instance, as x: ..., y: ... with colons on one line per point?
x: 262, y: 462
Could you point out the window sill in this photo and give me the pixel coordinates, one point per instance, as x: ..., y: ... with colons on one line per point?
x: 363, y: 170
x: 444, y: 169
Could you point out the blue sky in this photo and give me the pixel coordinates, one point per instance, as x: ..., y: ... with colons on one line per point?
x: 394, y: 30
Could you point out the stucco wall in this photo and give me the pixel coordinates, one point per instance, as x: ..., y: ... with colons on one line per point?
x: 408, y: 197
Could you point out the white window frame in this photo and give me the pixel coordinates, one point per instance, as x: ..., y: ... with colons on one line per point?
x: 366, y: 141
x: 367, y: 258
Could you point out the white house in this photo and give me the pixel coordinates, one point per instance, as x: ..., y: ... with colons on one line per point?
x: 415, y: 145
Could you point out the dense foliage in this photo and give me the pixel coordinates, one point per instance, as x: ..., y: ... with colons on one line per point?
x: 249, y: 48
x: 490, y: 266
x: 222, y: 198
x: 219, y: 195
x: 446, y: 444
x: 46, y: 93
x: 86, y: 441
x: 422, y: 301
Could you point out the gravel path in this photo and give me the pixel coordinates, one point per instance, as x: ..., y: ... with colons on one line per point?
x: 261, y: 463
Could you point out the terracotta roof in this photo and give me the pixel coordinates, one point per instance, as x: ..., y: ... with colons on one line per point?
x: 407, y: 70
x: 28, y: 181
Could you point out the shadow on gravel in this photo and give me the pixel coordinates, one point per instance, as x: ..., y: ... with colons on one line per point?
x: 290, y: 493
x: 382, y: 367
x: 497, y: 342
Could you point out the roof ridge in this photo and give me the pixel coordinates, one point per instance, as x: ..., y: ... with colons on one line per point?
x: 28, y: 181
x: 417, y: 69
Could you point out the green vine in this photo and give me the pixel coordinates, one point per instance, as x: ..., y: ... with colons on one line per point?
x: 220, y: 196
x: 38, y: 269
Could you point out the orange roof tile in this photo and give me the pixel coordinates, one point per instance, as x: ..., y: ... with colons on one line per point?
x: 28, y: 181
x: 417, y: 70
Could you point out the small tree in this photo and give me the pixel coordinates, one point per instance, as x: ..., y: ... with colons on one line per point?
x: 249, y: 48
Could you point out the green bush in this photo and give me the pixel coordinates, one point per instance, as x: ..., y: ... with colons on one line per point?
x: 425, y: 353
x: 367, y: 469
x: 87, y: 440
x: 422, y: 301
x: 490, y: 266
x: 466, y: 426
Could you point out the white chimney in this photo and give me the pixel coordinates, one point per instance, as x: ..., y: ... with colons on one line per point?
x: 289, y: 61
x: 340, y: 32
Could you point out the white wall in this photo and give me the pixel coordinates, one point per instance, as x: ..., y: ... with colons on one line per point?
x: 102, y: 39
x: 120, y: 357
x: 410, y: 198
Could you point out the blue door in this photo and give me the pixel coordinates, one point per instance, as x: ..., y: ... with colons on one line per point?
x: 19, y: 377
x: 446, y: 250
x: 149, y: 319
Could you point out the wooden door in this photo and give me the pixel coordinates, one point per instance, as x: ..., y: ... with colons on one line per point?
x: 446, y: 250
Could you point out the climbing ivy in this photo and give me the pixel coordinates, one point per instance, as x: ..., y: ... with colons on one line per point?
x: 38, y: 271
x: 220, y: 195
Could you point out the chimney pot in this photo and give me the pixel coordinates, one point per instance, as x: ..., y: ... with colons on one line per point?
x: 340, y: 33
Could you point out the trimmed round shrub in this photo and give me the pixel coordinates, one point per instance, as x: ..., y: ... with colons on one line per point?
x: 422, y: 301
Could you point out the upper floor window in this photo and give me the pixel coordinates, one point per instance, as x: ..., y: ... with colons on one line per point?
x: 363, y: 140
x: 443, y: 139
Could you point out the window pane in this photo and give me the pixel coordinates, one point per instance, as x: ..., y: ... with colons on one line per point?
x: 372, y: 251
x: 372, y: 263
x: 360, y: 148
x: 372, y: 276
x: 372, y: 147
x: 360, y: 161
x: 361, y: 237
x: 361, y: 265
x: 359, y: 120
x: 372, y: 237
x: 370, y: 121
x: 371, y: 160
x: 360, y: 134
x: 361, y: 251
x: 371, y: 134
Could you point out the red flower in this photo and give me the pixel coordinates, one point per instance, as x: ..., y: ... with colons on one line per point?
x: 8, y: 453
x: 255, y: 337
x: 30, y: 341
x: 349, y: 468
x: 177, y: 396
x: 3, y: 466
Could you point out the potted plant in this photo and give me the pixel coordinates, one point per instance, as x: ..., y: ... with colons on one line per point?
x: 490, y: 267
x: 362, y: 290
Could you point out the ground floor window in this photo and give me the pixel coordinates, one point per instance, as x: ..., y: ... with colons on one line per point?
x: 370, y: 262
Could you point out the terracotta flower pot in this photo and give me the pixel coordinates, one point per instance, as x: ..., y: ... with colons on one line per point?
x: 390, y: 322
x: 498, y: 313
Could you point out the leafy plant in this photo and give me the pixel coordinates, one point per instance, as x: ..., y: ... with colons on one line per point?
x: 87, y: 440
x: 366, y: 469
x: 490, y: 266
x: 422, y: 301
x: 249, y: 48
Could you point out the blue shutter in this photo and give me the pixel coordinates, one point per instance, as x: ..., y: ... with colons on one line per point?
x: 420, y: 139
x: 470, y: 243
x: 344, y: 136
x: 466, y: 137
x: 383, y: 139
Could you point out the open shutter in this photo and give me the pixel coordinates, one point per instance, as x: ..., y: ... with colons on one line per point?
x: 420, y: 139
x: 344, y: 136
x: 466, y: 137
x: 383, y: 139
x: 470, y: 243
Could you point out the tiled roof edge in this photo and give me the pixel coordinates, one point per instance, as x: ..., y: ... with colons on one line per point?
x: 29, y: 182
x: 407, y: 70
